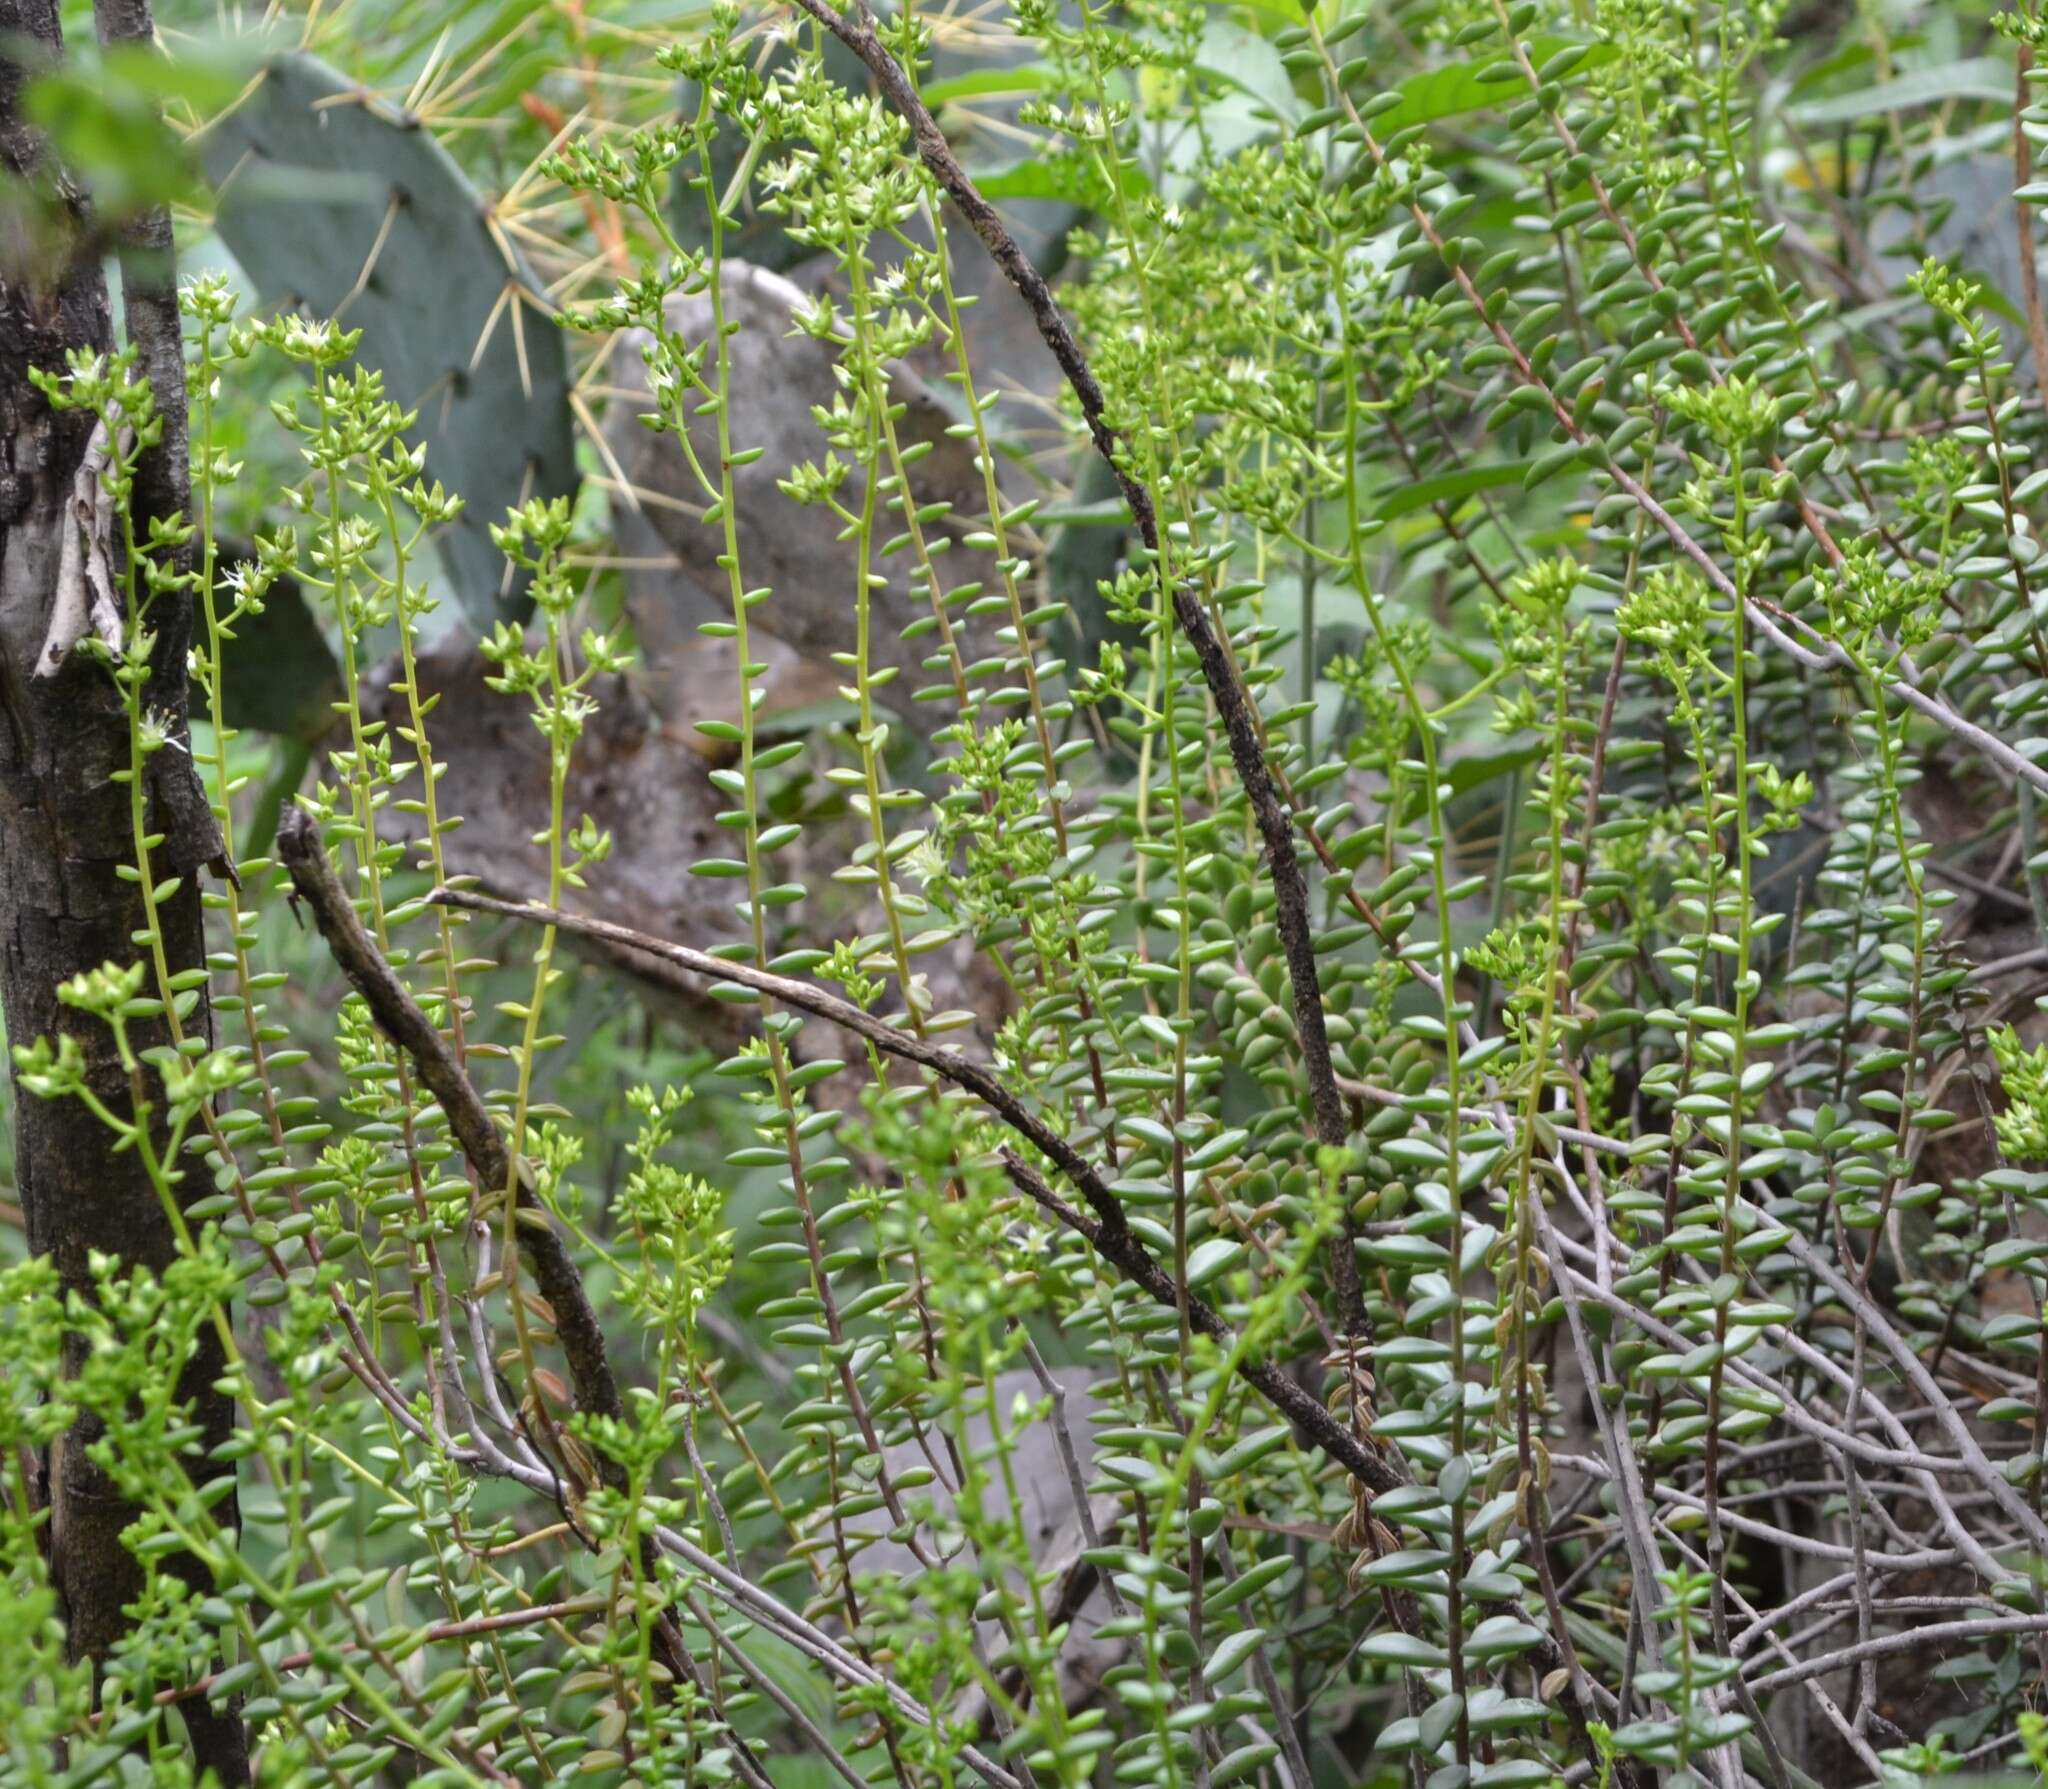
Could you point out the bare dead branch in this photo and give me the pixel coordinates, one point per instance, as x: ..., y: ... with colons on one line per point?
x: 1108, y: 1232
x: 1234, y: 704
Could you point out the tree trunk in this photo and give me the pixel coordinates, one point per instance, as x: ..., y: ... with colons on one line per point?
x: 64, y: 822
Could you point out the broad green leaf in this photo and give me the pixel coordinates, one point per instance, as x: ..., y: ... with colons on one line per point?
x: 1501, y: 1637
x: 1396, y: 1648
x: 1410, y: 1567
x: 1057, y: 177
x: 1978, y: 78
x: 1214, y: 1257
x: 1447, y: 92
x: 1234, y: 1767
x: 1232, y: 1653
x: 1448, y: 487
x: 1248, y: 62
x: 1476, y: 769
x: 981, y: 83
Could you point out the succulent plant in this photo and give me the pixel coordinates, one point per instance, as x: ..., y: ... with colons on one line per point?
x: 784, y: 375
x: 339, y: 204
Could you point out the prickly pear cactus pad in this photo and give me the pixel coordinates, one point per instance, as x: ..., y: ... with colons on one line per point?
x: 344, y: 207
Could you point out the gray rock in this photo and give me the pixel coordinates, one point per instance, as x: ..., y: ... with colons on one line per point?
x: 1980, y: 234
x: 778, y: 377
x: 642, y: 772
x: 1054, y: 1528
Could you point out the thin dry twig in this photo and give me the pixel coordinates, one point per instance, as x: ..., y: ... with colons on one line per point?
x: 1108, y: 1232
x: 541, y: 1245
x: 1242, y: 725
x: 400, y: 1018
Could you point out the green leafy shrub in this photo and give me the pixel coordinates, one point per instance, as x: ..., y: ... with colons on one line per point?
x: 1509, y: 1108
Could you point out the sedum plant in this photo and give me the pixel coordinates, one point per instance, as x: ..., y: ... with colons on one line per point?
x: 1495, y: 1174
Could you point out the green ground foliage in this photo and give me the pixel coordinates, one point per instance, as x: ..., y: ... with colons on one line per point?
x: 1321, y: 1060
